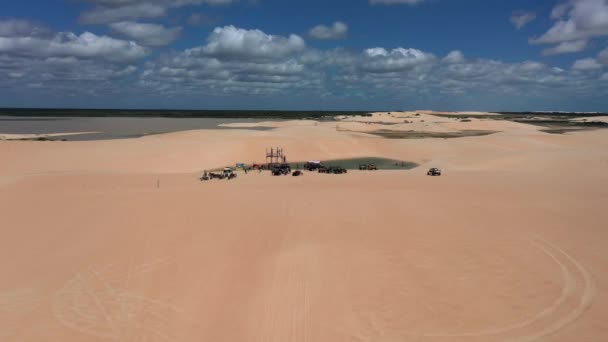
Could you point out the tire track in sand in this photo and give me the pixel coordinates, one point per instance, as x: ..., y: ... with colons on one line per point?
x: 288, y: 299
x: 585, y: 300
x: 576, y: 296
x: 99, y: 303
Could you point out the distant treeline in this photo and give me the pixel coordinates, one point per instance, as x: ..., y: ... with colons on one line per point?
x: 233, y: 114
x: 569, y: 114
x: 515, y: 116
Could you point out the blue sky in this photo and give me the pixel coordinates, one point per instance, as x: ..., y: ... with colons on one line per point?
x: 318, y: 55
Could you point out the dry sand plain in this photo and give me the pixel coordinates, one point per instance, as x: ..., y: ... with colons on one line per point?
x: 119, y: 241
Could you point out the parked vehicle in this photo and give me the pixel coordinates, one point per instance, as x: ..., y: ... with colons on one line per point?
x: 434, y: 172
x: 229, y: 173
x: 370, y: 167
x: 336, y: 170
x: 286, y: 168
x: 312, y: 165
x: 281, y: 170
x: 213, y: 175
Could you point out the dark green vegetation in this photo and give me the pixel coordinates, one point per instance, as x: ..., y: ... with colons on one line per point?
x: 222, y: 114
x: 515, y: 116
x: 553, y: 114
x: 560, y: 130
x: 421, y: 135
x: 352, y: 164
x: 553, y: 122
x: 557, y: 126
x: 566, y: 127
x: 381, y: 163
x: 42, y: 139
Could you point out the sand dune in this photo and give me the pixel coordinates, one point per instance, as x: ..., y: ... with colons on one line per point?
x: 118, y: 240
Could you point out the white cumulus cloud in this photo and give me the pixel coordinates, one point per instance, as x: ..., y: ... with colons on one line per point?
x: 66, y: 44
x: 237, y: 43
x: 102, y: 14
x: 454, y: 57
x: 380, y: 60
x: 576, y: 21
x: 20, y: 28
x: 338, y: 30
x: 145, y: 33
x: 237, y: 60
x: 603, y: 56
x: 586, y: 64
x: 559, y: 10
x: 108, y: 11
x: 521, y: 19
x: 566, y: 47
